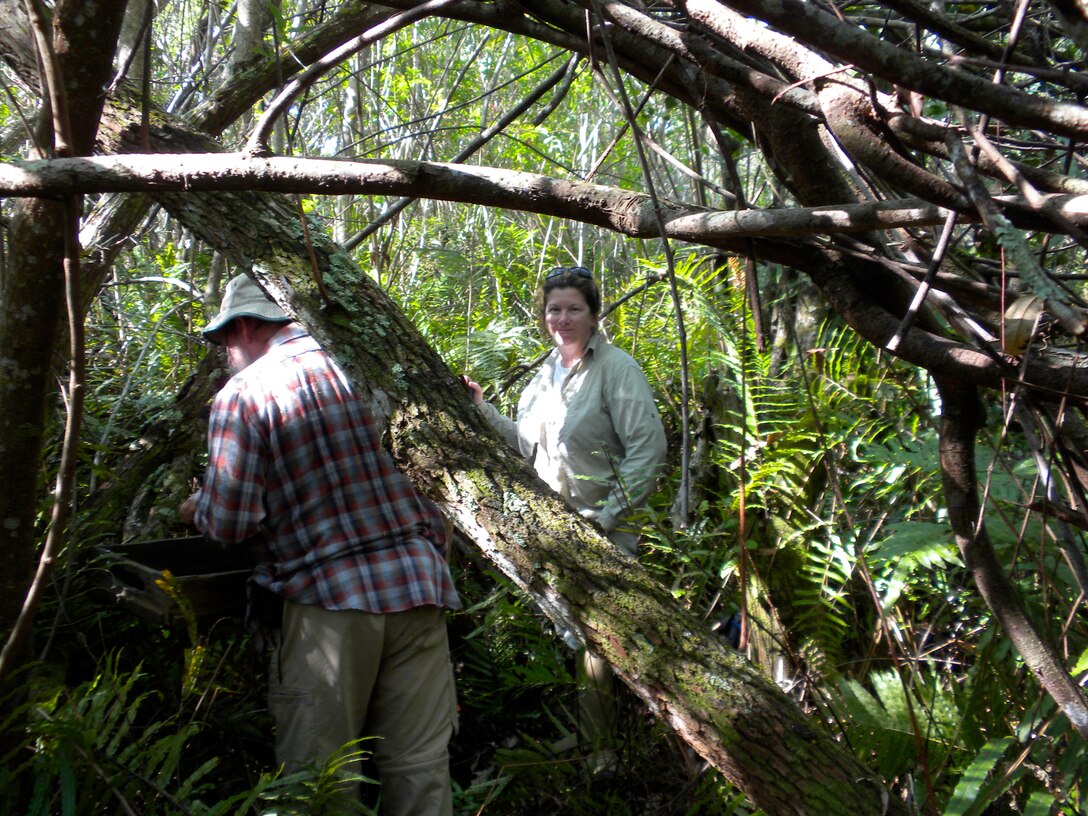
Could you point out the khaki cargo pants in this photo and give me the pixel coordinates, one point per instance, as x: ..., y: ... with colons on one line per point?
x: 340, y: 675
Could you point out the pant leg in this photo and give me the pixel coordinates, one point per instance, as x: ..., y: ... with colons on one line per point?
x: 414, y: 710
x: 597, y: 708
x: 338, y: 675
x: 321, y: 678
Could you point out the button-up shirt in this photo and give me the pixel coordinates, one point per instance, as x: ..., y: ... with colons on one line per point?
x: 295, y: 459
x: 594, y: 436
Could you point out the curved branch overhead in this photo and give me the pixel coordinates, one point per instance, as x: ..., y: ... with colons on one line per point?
x: 823, y: 31
x: 773, y: 235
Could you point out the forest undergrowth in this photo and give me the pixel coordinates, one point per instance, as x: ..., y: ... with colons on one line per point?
x: 135, y: 716
x: 816, y: 541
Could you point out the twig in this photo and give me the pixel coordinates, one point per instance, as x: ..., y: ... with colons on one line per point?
x: 315, y: 267
x: 52, y: 79
x: 257, y: 145
x: 1036, y: 200
x: 683, y: 491
x: 1072, y: 319
x: 927, y: 281
x: 472, y: 147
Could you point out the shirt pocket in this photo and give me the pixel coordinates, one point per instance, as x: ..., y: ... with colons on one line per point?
x: 587, y: 426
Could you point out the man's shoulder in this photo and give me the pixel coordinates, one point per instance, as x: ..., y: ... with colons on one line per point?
x: 292, y: 339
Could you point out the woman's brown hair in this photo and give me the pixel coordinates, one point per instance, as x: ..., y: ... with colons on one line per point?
x: 569, y: 277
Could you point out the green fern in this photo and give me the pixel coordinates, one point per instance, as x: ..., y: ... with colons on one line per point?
x: 97, y: 749
x: 880, y: 721
x: 910, y: 547
x: 979, y: 786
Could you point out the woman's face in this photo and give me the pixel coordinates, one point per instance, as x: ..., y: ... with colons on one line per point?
x: 567, y: 317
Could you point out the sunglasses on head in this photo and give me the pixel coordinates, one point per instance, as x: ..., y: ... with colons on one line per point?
x: 580, y: 271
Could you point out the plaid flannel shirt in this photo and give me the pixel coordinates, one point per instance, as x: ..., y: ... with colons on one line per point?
x: 295, y: 459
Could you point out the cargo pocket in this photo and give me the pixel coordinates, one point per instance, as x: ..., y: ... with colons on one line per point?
x: 292, y: 710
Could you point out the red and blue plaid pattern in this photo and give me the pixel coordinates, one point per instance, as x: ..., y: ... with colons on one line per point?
x: 294, y: 457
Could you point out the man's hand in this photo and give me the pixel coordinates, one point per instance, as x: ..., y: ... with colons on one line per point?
x: 187, y: 511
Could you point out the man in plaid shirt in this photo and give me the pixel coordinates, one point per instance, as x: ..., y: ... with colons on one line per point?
x: 356, y: 554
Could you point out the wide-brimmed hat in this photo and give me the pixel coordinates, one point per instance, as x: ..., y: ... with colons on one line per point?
x: 243, y: 298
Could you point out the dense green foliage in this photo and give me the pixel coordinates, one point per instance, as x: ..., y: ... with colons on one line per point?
x: 814, y: 519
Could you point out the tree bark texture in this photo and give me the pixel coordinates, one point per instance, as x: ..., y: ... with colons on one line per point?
x: 961, y: 419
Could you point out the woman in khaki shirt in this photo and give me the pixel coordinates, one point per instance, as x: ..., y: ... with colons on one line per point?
x: 588, y: 423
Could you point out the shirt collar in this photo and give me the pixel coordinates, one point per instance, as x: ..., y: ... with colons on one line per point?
x: 290, y: 331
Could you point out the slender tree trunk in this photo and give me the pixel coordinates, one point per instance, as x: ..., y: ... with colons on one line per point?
x: 32, y: 299
x: 31, y: 321
x: 961, y: 418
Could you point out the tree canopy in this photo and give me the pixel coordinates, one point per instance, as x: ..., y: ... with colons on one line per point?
x: 845, y: 240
